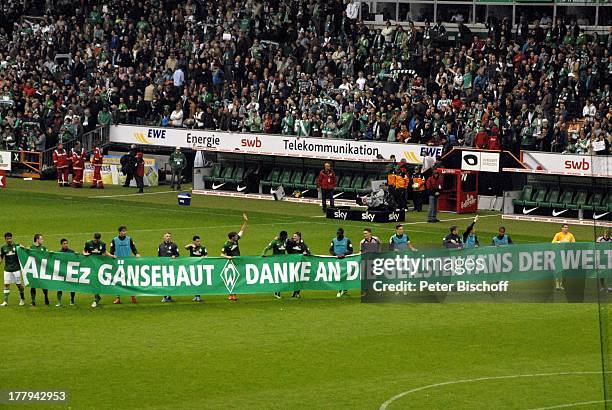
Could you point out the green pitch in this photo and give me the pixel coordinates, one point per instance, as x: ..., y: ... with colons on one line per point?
x: 314, y: 352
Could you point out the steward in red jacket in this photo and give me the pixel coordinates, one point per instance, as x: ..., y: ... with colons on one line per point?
x: 97, y: 159
x: 78, y: 165
x: 327, y: 182
x: 60, y: 159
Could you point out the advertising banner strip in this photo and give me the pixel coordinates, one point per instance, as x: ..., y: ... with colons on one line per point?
x: 266, y: 144
x: 254, y: 274
x: 566, y: 164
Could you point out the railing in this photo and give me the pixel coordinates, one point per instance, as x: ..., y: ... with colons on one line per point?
x: 95, y: 138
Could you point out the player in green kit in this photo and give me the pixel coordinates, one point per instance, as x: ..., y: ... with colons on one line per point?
x: 231, y: 247
x: 96, y: 247
x: 12, y: 269
x: 64, y: 249
x: 279, y: 247
x: 196, y: 250
x: 39, y: 246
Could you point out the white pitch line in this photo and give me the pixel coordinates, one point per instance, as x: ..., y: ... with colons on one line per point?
x: 386, y: 404
x: 136, y: 194
x: 563, y: 406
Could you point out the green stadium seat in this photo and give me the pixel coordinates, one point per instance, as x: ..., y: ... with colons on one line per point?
x: 310, y: 180
x: 272, y: 178
x: 526, y: 195
x: 357, y: 184
x: 344, y: 183
x: 216, y: 173
x: 285, y: 177
x: 565, y: 199
x: 551, y: 198
x: 238, y: 175
x: 226, y: 173
x: 606, y: 205
x: 579, y: 200
x: 538, y: 197
x: 366, y: 187
x: 296, y: 179
x: 594, y: 201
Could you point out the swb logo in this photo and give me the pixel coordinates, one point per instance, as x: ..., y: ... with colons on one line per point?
x: 230, y: 276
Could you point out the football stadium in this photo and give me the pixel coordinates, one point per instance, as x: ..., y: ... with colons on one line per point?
x: 306, y: 204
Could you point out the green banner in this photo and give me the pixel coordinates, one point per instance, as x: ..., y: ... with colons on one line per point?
x: 186, y: 276
x: 255, y: 274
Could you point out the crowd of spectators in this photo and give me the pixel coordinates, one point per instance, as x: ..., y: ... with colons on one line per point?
x: 309, y: 68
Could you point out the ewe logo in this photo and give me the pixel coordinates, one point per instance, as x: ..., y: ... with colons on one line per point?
x: 230, y: 276
x: 152, y: 134
x: 415, y: 158
x: 431, y: 151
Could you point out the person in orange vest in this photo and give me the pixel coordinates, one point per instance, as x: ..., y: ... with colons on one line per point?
x: 391, y: 181
x: 401, y: 184
x: 78, y: 164
x: 96, y: 160
x: 60, y: 159
x: 418, y: 189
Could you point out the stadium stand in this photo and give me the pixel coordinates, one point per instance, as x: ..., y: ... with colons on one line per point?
x: 304, y: 68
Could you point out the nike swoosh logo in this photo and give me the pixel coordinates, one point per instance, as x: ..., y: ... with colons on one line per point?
x: 337, y: 195
x: 215, y: 186
x: 555, y: 213
x: 528, y: 211
x: 241, y: 188
x: 595, y: 216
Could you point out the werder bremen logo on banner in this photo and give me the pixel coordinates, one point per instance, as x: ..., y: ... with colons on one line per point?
x: 230, y: 275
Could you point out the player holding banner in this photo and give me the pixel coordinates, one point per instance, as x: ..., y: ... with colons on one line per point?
x: 295, y: 246
x: 196, y: 250
x: 231, y: 247
x: 96, y: 247
x: 340, y: 247
x: 38, y: 246
x: 12, y: 269
x: 64, y: 249
x: 122, y: 246
x: 278, y: 246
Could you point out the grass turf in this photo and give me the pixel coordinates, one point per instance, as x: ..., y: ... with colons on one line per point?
x: 317, y: 352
